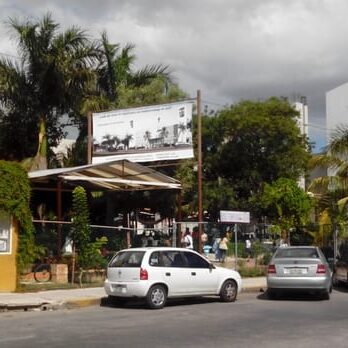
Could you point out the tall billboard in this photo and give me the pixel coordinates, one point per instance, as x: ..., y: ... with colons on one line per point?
x: 144, y: 134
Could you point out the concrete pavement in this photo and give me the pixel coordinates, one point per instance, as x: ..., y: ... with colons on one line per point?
x: 73, y: 298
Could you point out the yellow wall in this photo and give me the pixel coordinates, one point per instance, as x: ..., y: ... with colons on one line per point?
x: 8, y: 268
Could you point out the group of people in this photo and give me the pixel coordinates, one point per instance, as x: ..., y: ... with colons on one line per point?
x: 220, y: 245
x: 220, y: 248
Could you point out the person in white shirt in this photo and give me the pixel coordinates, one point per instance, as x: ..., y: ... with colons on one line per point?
x: 188, y: 240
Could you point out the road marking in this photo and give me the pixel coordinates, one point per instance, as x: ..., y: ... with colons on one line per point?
x: 11, y: 339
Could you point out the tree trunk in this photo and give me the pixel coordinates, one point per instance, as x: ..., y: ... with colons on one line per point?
x: 40, y: 159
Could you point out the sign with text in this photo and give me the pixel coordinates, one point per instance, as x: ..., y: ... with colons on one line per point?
x: 144, y: 134
x: 235, y: 216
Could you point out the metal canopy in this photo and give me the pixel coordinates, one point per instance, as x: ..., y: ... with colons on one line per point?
x: 115, y: 176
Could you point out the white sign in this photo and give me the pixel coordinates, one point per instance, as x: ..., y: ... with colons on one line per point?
x: 5, y: 233
x: 235, y: 216
x: 150, y: 133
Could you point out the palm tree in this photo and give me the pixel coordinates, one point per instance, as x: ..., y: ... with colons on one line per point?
x: 115, y: 69
x: 332, y: 190
x: 51, y: 77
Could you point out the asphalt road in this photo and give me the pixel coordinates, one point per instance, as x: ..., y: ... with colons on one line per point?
x: 252, y: 321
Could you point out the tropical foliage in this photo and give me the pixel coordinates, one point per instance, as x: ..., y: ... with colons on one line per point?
x: 286, y: 205
x: 15, y: 200
x: 246, y: 146
x: 331, y: 191
x: 48, y: 81
x: 88, y: 251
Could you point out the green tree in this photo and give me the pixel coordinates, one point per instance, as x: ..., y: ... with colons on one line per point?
x: 286, y: 205
x: 253, y: 143
x: 331, y: 191
x: 49, y: 80
x: 244, y: 147
x: 88, y: 251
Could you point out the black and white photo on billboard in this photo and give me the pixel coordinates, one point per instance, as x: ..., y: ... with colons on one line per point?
x: 143, y: 134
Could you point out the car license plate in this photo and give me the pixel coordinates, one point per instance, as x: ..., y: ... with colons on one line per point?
x: 296, y: 271
x: 120, y: 288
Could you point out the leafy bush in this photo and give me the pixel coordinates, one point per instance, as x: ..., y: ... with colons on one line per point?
x: 252, y: 271
x: 15, y: 199
x: 88, y: 252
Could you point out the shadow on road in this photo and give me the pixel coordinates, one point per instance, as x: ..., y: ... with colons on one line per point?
x: 341, y: 288
x: 140, y: 304
x: 291, y: 296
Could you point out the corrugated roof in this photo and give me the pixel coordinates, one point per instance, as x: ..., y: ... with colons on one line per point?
x: 119, y: 175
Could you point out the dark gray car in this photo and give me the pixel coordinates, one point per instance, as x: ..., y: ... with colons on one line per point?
x: 299, y: 268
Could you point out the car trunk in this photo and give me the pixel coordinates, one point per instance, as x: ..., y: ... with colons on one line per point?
x: 296, y: 268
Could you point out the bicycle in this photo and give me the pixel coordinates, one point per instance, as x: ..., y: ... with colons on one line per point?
x: 40, y: 271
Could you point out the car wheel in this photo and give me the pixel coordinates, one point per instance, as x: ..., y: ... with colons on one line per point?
x: 271, y: 294
x: 156, y: 297
x: 229, y: 291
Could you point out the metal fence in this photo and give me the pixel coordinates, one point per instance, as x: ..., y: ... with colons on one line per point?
x: 55, y: 236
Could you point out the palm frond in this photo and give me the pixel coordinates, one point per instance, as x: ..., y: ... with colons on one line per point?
x: 338, y: 143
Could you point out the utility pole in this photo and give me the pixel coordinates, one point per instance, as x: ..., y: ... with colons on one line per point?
x: 199, y: 167
x: 89, y: 137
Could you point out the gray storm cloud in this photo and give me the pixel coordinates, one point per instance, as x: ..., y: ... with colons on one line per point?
x: 228, y: 49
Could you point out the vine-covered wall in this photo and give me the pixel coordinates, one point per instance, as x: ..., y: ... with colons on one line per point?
x: 15, y: 199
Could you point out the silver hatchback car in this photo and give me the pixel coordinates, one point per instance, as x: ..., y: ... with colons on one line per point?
x: 299, y: 268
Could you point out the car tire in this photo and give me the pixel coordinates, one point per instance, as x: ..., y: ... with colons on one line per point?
x: 156, y: 297
x: 229, y: 290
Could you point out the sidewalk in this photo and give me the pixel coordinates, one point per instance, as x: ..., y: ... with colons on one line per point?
x: 74, y: 298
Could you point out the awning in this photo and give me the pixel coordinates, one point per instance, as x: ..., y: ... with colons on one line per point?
x: 115, y: 176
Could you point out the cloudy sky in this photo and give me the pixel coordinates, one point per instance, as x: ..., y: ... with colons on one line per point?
x: 229, y: 49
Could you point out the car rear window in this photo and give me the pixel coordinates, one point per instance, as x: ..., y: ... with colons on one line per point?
x: 128, y: 258
x: 296, y: 253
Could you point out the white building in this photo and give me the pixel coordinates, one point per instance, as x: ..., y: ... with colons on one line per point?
x: 336, y: 110
x: 302, y: 122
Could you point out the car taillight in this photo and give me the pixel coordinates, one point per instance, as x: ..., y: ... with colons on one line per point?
x: 271, y: 269
x: 321, y: 269
x: 143, y: 274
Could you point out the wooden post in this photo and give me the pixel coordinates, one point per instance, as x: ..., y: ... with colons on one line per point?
x: 199, y: 167
x: 59, y: 218
x: 89, y: 138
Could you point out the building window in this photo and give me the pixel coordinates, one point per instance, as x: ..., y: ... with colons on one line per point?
x: 5, y: 233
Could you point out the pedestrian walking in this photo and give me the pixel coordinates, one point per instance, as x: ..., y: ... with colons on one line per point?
x: 187, y: 241
x: 248, y: 247
x: 223, y: 247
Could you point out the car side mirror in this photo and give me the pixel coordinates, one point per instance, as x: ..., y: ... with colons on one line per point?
x: 211, y: 266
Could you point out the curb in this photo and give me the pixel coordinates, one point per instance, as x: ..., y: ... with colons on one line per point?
x: 83, y: 302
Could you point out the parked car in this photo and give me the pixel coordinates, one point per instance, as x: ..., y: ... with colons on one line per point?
x: 158, y: 273
x: 340, y: 275
x: 299, y: 268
